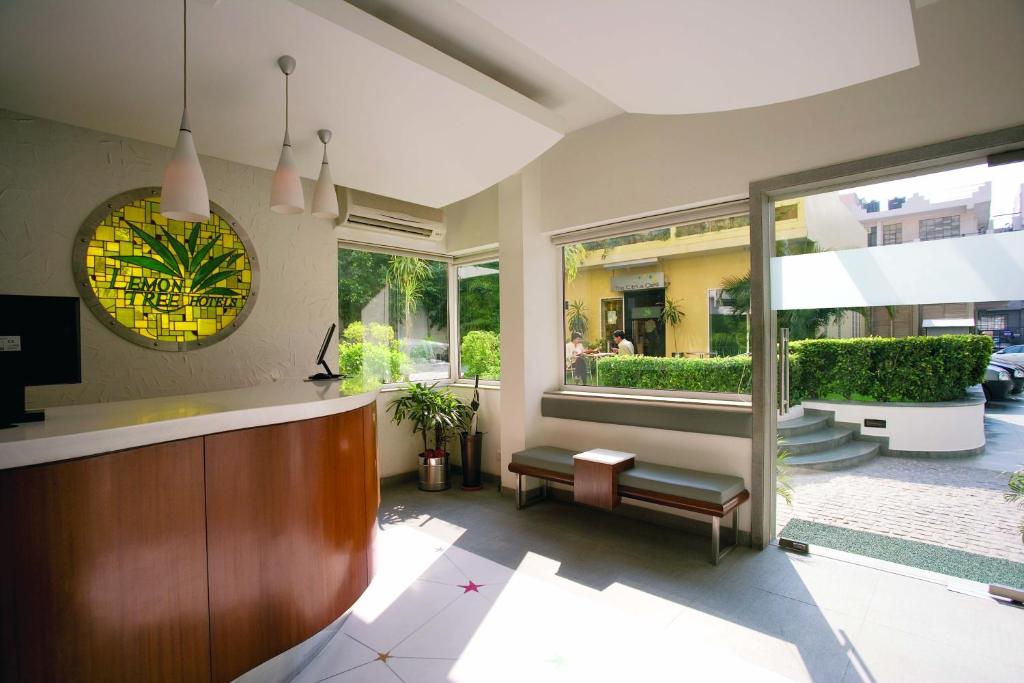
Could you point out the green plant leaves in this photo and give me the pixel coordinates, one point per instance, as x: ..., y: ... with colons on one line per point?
x: 200, y: 256
x: 147, y: 262
x: 193, y: 238
x: 202, y: 275
x: 170, y: 262
x: 179, y: 250
x: 214, y: 279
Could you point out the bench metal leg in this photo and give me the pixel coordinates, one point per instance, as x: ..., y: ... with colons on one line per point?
x: 519, y: 492
x: 717, y: 552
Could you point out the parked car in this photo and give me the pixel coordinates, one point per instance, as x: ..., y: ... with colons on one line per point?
x: 1016, y: 373
x: 998, y: 383
x: 1013, y: 354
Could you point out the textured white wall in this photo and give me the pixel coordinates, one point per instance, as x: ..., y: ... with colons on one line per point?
x: 52, y: 175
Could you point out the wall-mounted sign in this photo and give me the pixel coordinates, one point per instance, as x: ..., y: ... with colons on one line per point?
x: 627, y: 283
x: 164, y: 284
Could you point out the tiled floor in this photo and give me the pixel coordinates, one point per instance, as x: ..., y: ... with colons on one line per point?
x: 469, y: 590
x: 957, y: 503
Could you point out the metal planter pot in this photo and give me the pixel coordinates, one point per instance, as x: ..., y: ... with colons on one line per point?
x: 434, y: 473
x: 472, y: 455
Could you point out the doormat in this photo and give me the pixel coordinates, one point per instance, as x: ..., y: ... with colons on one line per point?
x: 933, y: 558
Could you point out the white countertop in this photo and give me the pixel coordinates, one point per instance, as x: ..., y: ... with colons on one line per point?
x: 77, y: 431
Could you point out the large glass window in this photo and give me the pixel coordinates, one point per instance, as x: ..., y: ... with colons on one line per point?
x: 479, y: 321
x: 393, y: 311
x: 940, y: 228
x: 666, y: 308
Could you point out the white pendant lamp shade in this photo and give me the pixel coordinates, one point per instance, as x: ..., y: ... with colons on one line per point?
x: 325, y: 197
x: 286, y: 192
x: 183, y: 196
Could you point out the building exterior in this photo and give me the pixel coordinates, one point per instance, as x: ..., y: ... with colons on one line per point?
x: 624, y: 283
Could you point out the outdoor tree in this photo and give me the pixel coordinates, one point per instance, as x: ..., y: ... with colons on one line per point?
x: 407, y: 275
x: 672, y: 315
x: 576, y: 317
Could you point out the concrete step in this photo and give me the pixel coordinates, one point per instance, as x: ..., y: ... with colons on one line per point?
x: 805, y: 424
x: 849, y: 454
x: 817, y: 441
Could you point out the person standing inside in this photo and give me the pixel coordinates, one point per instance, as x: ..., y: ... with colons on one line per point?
x: 624, y: 346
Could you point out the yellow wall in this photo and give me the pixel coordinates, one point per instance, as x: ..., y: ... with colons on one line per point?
x: 688, y: 278
x: 692, y: 264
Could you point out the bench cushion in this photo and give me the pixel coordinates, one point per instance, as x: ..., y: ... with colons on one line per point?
x: 546, y: 458
x: 675, y: 481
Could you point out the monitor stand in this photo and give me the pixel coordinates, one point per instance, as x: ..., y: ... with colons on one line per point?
x: 12, y: 407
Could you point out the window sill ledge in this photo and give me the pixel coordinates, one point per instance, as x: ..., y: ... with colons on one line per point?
x: 707, y: 416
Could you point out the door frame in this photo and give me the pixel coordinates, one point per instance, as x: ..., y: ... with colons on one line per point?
x: 1000, y: 146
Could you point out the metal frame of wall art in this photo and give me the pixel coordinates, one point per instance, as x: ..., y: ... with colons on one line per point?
x: 164, y: 284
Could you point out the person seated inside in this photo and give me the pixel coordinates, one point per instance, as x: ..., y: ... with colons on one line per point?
x: 576, y: 357
x: 624, y: 346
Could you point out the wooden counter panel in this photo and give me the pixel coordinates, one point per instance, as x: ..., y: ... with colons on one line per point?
x: 288, y: 538
x: 372, y: 481
x: 104, y: 575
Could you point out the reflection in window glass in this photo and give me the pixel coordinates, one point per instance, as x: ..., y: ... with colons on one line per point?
x: 479, y: 321
x: 393, y: 312
x: 895, y: 295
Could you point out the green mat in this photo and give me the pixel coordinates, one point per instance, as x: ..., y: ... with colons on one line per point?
x: 909, y: 553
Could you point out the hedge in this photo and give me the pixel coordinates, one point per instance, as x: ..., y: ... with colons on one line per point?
x: 721, y: 375
x: 908, y: 369
x: 481, y: 354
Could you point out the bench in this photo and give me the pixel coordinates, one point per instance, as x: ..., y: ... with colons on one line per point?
x: 715, y: 495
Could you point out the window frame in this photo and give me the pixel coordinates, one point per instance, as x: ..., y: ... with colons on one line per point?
x: 998, y: 146
x: 603, y: 231
x: 426, y: 255
x: 473, y: 259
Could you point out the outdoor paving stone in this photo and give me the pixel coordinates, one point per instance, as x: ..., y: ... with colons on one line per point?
x: 952, y: 503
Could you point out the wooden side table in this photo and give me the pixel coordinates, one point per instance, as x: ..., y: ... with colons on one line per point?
x: 596, y: 477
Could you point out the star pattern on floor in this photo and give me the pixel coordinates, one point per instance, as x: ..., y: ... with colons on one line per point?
x: 383, y: 657
x: 471, y: 587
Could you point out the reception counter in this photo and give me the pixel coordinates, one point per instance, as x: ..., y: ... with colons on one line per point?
x: 187, y: 538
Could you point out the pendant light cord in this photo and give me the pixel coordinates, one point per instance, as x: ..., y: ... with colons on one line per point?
x: 286, y: 108
x: 184, y: 61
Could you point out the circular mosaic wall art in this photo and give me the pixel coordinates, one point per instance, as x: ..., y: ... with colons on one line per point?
x: 160, y: 283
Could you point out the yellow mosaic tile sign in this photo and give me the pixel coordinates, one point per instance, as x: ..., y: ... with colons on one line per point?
x: 168, y: 284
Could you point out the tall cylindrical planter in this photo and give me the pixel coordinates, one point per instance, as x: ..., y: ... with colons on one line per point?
x: 434, y: 472
x: 472, y: 455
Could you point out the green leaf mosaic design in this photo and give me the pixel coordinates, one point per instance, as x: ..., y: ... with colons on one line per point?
x: 167, y: 280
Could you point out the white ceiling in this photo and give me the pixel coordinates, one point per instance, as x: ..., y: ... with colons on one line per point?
x: 408, y: 121
x: 430, y: 100
x: 693, y: 56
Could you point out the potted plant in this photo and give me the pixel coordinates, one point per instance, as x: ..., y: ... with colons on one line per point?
x: 431, y: 411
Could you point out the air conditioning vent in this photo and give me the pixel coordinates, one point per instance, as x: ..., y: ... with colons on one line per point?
x: 375, y: 213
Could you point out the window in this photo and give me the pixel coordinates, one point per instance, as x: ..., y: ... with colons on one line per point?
x: 663, y: 308
x: 991, y: 323
x: 892, y: 233
x: 479, y: 321
x: 939, y: 228
x: 873, y: 236
x: 393, y: 311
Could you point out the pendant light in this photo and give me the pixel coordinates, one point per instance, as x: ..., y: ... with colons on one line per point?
x: 325, y: 197
x: 286, y: 192
x: 183, y: 195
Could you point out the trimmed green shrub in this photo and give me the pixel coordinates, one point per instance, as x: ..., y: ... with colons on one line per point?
x: 908, y: 369
x: 370, y: 354
x: 481, y: 355
x: 722, y: 375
